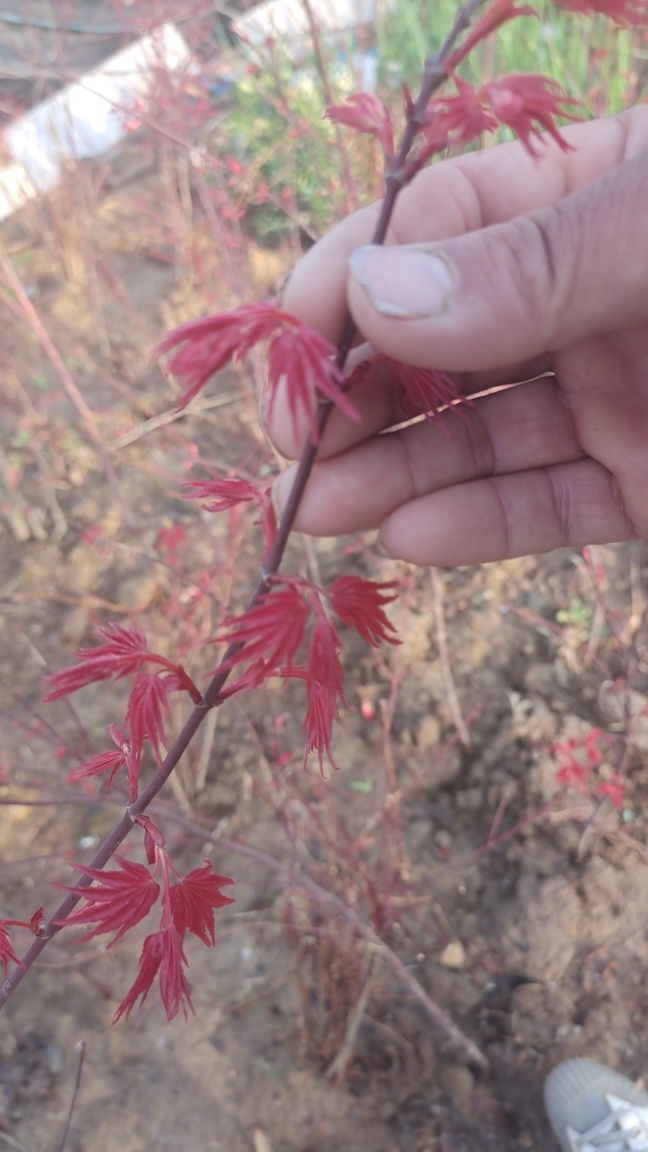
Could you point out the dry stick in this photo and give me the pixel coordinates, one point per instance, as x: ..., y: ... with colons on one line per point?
x: 446, y: 671
x: 161, y: 421
x: 433, y: 76
x: 39, y: 329
x: 336, y: 1070
x: 75, y: 1093
x: 349, y: 183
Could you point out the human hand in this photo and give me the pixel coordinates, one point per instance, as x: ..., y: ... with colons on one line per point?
x: 506, y: 269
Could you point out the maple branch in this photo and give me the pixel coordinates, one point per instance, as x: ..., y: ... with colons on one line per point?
x: 434, y: 75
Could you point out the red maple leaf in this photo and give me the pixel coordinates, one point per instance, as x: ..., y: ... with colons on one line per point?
x: 222, y: 493
x: 304, y: 359
x: 465, y: 114
x: 148, y: 699
x: 625, y: 13
x: 360, y: 605
x: 422, y: 390
x: 324, y: 688
x: 205, y: 346
x: 118, y: 899
x: 226, y: 492
x: 193, y: 900
x: 273, y: 630
x: 523, y: 101
x: 298, y: 353
x: 121, y: 655
x: 365, y: 113
x: 321, y: 712
x: 110, y: 761
x: 6, y: 951
x: 614, y: 788
x: 162, y: 952
x: 497, y: 13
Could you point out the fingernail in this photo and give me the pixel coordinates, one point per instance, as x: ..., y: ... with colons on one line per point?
x: 402, y: 282
x: 281, y: 489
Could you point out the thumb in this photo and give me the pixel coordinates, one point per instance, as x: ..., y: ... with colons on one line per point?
x: 503, y: 294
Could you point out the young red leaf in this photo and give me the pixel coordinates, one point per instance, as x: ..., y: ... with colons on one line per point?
x: 6, y: 951
x: 324, y: 689
x: 193, y: 900
x: 222, y: 493
x: 365, y: 113
x: 273, y: 630
x: 524, y: 101
x: 148, y: 698
x: 614, y: 789
x: 303, y: 359
x: 321, y: 712
x: 254, y: 675
x: 421, y: 391
x: 299, y: 354
x: 162, y: 952
x: 153, y: 838
x: 625, y: 13
x: 466, y: 114
x: 226, y: 492
x: 116, y: 902
x: 110, y: 761
x: 360, y: 605
x: 36, y: 920
x: 497, y: 13
x: 207, y: 345
x: 121, y: 655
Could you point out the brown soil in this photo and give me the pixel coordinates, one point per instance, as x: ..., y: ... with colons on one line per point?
x: 546, y: 927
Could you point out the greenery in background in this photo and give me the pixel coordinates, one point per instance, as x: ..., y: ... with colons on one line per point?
x: 274, y: 128
x: 293, y: 154
x: 600, y: 66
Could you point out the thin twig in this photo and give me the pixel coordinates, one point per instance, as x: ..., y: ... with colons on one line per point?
x: 13, y: 1143
x: 77, y: 1085
x: 36, y: 324
x: 446, y: 672
x: 336, y: 1070
x: 165, y: 418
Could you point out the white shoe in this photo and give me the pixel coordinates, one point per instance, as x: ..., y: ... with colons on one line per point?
x: 593, y: 1109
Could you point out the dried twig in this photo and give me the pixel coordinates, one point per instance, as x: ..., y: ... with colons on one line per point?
x: 442, y: 641
x: 75, y: 1093
x: 36, y: 324
x: 165, y: 418
x: 336, y: 1070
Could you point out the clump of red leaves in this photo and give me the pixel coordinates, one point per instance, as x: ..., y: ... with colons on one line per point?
x: 6, y: 951
x: 579, y: 759
x: 124, y: 653
x: 298, y: 356
x: 122, y: 897
x: 271, y: 633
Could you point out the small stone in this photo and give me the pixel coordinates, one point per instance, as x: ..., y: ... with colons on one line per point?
x: 443, y: 839
x: 428, y: 733
x: 453, y: 955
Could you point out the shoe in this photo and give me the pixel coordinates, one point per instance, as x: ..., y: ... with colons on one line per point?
x: 593, y: 1109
